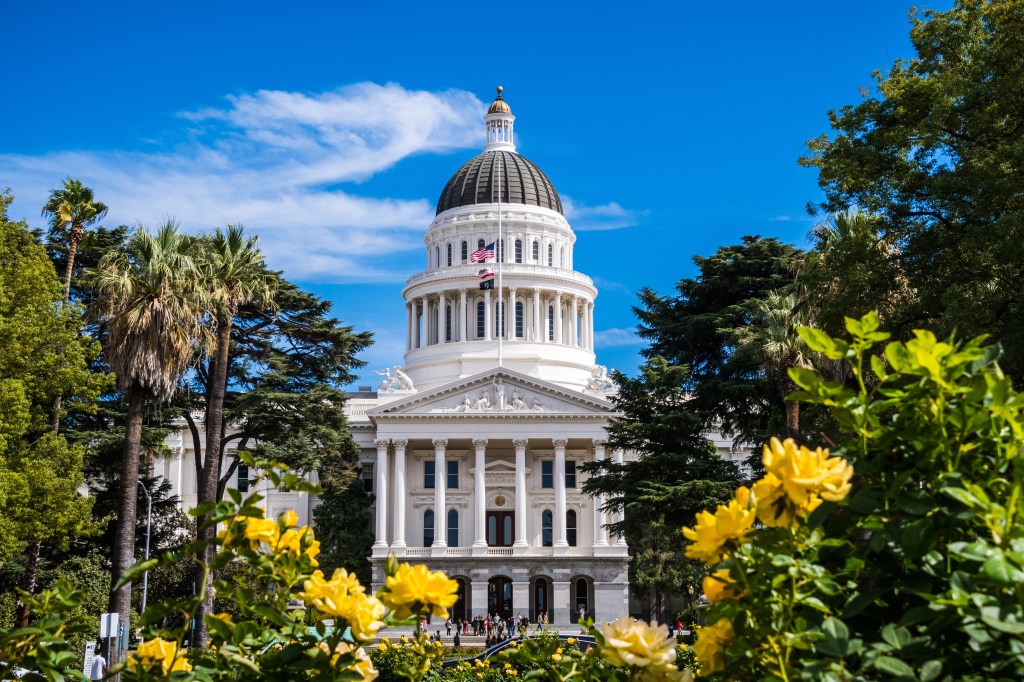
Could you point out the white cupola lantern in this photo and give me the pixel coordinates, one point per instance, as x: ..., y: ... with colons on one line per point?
x: 499, y: 121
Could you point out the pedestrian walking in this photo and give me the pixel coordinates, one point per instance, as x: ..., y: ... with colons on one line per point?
x: 98, y: 669
x: 448, y: 627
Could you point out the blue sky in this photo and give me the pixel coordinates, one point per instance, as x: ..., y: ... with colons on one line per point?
x: 330, y: 128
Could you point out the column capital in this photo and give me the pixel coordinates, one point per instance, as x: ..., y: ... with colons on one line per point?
x: 512, y: 289
x: 598, y: 442
x: 440, y: 443
x: 520, y: 442
x: 536, y: 290
x: 382, y: 443
x: 480, y: 442
x: 400, y: 444
x: 559, y: 442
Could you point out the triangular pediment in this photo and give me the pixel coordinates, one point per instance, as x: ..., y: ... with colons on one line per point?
x: 496, y: 392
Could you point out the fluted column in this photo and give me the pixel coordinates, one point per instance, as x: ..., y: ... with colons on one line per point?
x: 620, y: 540
x: 488, y: 315
x: 480, y: 494
x: 590, y: 325
x: 538, y: 326
x: 560, y: 535
x: 408, y: 326
x: 440, y: 483
x: 416, y: 322
x: 574, y: 322
x: 440, y: 318
x: 520, y: 445
x: 463, y: 336
x: 600, y: 532
x: 382, y: 493
x: 399, y: 506
x: 559, y: 338
x: 510, y: 315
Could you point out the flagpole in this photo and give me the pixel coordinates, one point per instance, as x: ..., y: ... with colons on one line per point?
x: 501, y: 258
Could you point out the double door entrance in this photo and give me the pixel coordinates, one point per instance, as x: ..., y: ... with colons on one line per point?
x: 499, y: 597
x: 500, y: 528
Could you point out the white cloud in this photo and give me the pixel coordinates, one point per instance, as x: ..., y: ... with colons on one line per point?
x: 610, y: 216
x: 615, y: 337
x: 269, y: 160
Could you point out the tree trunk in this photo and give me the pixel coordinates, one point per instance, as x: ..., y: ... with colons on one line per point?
x: 72, y: 250
x: 28, y: 583
x: 211, y: 470
x: 793, y: 419
x: 124, y: 538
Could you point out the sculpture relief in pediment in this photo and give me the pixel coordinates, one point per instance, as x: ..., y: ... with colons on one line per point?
x: 497, y: 398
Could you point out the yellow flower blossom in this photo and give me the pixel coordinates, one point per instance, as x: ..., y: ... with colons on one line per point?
x: 363, y: 665
x: 343, y: 597
x: 558, y: 650
x: 160, y: 652
x: 261, y: 531
x: 718, y: 587
x: 415, y: 589
x: 556, y: 657
x: 635, y: 643
x: 711, y: 644
x: 226, y: 617
x: 289, y: 519
x: 513, y: 673
x: 730, y: 522
x: 405, y: 640
x: 570, y: 640
x: 805, y: 473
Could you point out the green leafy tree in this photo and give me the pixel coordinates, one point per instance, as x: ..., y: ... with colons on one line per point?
x: 342, y: 520
x: 935, y: 155
x: 150, y: 302
x: 42, y: 356
x: 694, y: 328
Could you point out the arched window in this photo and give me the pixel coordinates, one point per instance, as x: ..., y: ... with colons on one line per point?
x: 519, y: 250
x: 582, y: 596
x: 536, y: 251
x: 480, y: 316
x: 499, y: 318
x: 551, y: 254
x: 480, y: 243
x: 428, y: 528
x: 519, y: 319
x: 570, y: 527
x: 465, y: 251
x: 449, y: 255
x: 453, y: 528
x: 551, y: 323
x: 447, y: 323
x: 546, y: 528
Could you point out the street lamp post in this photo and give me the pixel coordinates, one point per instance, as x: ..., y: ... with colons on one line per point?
x: 149, y: 518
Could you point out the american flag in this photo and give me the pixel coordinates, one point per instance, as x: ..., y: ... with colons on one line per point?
x: 480, y: 255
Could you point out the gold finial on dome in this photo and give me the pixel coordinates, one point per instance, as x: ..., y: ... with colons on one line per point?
x: 499, y: 106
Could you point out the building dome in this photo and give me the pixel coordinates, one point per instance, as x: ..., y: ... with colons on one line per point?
x: 499, y: 106
x: 477, y: 183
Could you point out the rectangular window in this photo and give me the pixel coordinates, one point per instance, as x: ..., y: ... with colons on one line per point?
x: 453, y: 473
x: 366, y: 473
x: 519, y: 319
x: 428, y: 474
x: 243, y: 478
x: 480, y: 324
x: 570, y: 473
x: 465, y: 252
x: 547, y: 476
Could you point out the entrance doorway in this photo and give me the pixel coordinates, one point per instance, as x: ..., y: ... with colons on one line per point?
x: 499, y: 528
x: 460, y: 608
x: 499, y: 596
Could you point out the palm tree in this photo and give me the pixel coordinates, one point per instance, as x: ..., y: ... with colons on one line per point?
x: 148, y: 296
x: 772, y: 341
x: 233, y: 274
x: 73, y: 204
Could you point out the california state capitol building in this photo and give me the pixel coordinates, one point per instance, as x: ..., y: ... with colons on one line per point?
x: 474, y: 442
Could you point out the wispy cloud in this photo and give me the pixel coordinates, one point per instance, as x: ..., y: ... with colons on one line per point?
x: 272, y: 160
x: 610, y: 216
x: 616, y: 337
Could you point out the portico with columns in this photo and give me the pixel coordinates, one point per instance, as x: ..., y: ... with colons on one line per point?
x: 476, y: 455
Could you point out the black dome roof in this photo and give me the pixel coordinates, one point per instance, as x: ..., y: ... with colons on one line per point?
x: 476, y: 183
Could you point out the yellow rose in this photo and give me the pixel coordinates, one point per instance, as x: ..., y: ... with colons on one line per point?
x: 730, y: 522
x: 711, y: 644
x: 160, y: 652
x: 343, y: 597
x: 289, y: 519
x: 629, y: 642
x: 805, y: 473
x: 773, y: 506
x: 556, y: 657
x: 363, y: 665
x: 261, y: 530
x: 718, y: 587
x: 414, y: 589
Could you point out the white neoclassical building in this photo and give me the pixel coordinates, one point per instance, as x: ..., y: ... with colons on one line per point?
x: 475, y: 442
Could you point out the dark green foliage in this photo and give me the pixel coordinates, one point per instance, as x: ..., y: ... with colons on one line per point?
x: 937, y: 154
x: 342, y: 524
x: 693, y: 328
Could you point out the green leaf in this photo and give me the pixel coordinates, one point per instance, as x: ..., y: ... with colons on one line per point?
x: 1000, y: 570
x: 931, y: 670
x: 136, y: 570
x: 894, y: 666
